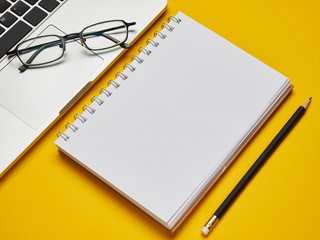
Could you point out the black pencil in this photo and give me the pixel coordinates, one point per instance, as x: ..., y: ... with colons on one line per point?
x: 254, y: 168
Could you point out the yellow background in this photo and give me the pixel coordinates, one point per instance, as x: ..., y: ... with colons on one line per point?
x: 47, y: 196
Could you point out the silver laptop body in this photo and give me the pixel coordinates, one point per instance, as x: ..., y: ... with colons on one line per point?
x: 30, y: 102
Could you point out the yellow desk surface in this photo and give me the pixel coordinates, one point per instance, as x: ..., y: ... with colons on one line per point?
x: 47, y: 196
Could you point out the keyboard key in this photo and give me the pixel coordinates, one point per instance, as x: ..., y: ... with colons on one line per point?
x: 35, y: 16
x: 20, y: 8
x: 7, y: 19
x: 1, y: 30
x: 13, y: 36
x: 49, y: 5
x: 4, y: 4
x: 32, y: 2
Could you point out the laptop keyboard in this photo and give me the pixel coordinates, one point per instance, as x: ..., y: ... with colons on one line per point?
x: 18, y: 18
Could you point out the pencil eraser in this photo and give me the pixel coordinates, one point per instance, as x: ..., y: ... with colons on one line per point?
x: 205, y: 231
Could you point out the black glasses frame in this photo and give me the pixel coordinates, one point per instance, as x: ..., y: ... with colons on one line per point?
x: 64, y: 39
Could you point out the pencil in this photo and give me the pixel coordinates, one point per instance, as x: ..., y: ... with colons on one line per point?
x: 254, y: 168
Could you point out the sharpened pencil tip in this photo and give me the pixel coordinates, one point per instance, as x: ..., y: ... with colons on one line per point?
x: 310, y: 98
x: 306, y: 104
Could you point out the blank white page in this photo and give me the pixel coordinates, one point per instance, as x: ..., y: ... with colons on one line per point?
x: 176, y: 119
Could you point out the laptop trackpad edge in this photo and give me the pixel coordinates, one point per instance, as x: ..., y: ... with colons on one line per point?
x: 34, y: 95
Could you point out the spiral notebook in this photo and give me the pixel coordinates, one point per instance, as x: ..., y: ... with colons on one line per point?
x: 167, y: 126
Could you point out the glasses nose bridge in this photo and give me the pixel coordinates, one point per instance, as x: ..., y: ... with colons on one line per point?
x: 71, y: 36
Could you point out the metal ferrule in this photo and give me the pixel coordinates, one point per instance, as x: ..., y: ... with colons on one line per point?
x: 212, y: 222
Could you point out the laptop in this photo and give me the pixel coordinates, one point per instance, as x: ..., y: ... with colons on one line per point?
x: 31, y: 101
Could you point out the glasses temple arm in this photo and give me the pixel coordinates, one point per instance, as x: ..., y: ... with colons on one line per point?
x: 102, y: 32
x: 131, y: 24
x: 97, y: 33
x: 123, y: 45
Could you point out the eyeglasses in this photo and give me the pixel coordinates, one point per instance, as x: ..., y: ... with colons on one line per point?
x: 44, y: 50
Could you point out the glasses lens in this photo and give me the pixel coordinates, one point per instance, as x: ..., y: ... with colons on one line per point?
x: 105, y: 35
x: 41, y: 50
